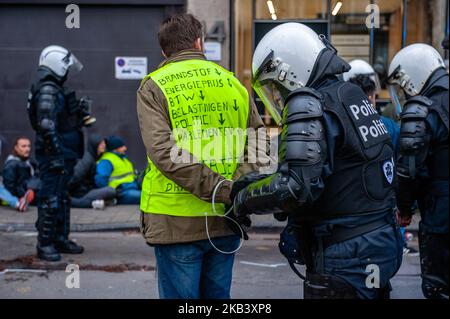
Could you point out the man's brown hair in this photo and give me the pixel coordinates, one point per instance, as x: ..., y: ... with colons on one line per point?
x: 178, y: 33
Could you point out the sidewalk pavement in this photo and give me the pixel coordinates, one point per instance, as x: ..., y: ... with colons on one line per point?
x: 117, y: 217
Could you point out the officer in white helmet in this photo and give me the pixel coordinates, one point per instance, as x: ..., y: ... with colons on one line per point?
x: 57, y: 116
x: 418, y: 72
x: 336, y: 170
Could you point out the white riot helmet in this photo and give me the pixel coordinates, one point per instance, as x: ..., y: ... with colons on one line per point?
x: 412, y: 66
x: 284, y: 60
x: 59, y: 60
x: 362, y: 67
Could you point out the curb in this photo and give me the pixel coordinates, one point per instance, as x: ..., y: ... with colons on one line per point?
x: 73, y: 227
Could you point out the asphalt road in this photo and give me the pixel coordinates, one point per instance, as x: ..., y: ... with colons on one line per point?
x: 121, y: 265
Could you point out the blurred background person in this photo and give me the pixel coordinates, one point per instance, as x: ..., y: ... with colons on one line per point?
x: 20, y: 172
x: 115, y: 170
x: 8, y: 199
x: 84, y: 193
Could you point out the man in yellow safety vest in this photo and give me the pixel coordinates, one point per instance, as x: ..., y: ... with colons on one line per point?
x: 194, y: 117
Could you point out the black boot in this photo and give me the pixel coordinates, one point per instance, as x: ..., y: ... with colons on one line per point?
x: 68, y: 247
x: 434, y: 264
x: 62, y: 243
x: 45, y: 225
x: 48, y: 253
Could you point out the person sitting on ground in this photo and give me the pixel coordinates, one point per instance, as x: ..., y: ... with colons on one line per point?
x: 83, y: 191
x: 115, y: 170
x: 19, y: 173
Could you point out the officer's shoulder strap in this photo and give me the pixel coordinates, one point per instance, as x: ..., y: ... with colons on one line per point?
x: 329, y: 99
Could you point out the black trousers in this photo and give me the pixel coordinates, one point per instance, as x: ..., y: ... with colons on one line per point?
x: 53, y: 221
x: 434, y: 253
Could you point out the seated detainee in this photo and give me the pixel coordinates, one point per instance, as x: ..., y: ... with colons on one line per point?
x: 19, y: 172
x: 115, y: 170
x: 83, y: 191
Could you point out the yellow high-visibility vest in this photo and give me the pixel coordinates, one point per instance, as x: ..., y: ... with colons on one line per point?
x: 123, y: 170
x: 208, y: 109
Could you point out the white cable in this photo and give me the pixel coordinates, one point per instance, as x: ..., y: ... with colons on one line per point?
x: 213, y: 202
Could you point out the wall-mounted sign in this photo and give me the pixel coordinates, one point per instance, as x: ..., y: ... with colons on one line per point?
x: 130, y: 68
x: 213, y: 51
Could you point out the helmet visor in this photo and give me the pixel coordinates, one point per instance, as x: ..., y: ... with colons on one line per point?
x: 397, y: 96
x: 264, y: 86
x: 74, y: 65
x: 271, y: 97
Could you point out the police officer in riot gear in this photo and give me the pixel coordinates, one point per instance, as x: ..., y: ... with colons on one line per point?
x: 418, y: 72
x: 336, y: 171
x: 57, y: 117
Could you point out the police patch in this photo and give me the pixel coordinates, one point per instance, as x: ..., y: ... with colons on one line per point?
x: 388, y: 170
x: 364, y: 117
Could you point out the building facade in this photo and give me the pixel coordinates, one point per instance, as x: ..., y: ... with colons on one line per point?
x: 117, y: 42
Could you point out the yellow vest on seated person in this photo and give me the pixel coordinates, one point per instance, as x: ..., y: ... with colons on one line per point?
x: 123, y: 170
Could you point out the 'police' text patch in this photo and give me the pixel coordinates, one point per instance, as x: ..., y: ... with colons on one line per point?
x: 371, y: 129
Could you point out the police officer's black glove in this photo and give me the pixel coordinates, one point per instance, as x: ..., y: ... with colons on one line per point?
x: 85, y: 107
x: 239, y: 214
x: 243, y: 181
x: 236, y: 225
x: 240, y: 211
x: 57, y: 164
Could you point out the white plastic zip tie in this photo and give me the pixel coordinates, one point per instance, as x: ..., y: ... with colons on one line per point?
x: 213, y: 202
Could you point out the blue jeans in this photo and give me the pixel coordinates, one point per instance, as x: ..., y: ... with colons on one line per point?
x: 9, y: 198
x: 196, y: 270
x: 129, y: 197
x: 85, y: 201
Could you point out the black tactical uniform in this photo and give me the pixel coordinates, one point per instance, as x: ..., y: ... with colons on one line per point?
x: 423, y: 176
x: 57, y: 118
x: 336, y: 184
